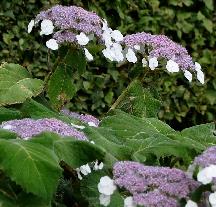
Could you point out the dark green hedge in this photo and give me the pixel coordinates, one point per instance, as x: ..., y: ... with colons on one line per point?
x: 189, y: 22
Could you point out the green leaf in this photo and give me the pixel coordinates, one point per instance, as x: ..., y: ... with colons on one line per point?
x: 139, y: 101
x: 8, y: 114
x: 203, y: 134
x: 31, y: 165
x: 60, y: 86
x: 209, y: 4
x: 6, y: 134
x: 208, y: 24
x: 16, y: 85
x: 74, y: 152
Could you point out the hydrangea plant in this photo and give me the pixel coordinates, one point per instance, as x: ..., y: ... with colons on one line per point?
x: 50, y: 156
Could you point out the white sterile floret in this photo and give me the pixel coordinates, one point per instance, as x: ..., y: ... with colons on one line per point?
x: 144, y: 62
x: 85, y: 169
x: 128, y: 202
x: 77, y: 126
x: 92, y: 124
x: 130, y: 56
x: 98, y: 166
x: 46, y: 27
x: 117, y: 35
x: 212, y: 199
x: 106, y: 185
x: 106, y: 36
x: 172, y: 66
x: 153, y: 63
x: 78, y: 174
x: 136, y: 47
x: 8, y: 126
x: 117, y: 52
x: 88, y: 55
x: 52, y: 44
x: 104, y: 200
x: 82, y: 39
x: 206, y: 175
x: 191, y: 203
x: 188, y: 75
x: 200, y: 76
x: 197, y: 66
x: 108, y: 54
x: 31, y: 25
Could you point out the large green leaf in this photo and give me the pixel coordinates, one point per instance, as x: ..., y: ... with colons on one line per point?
x: 31, y: 165
x: 139, y: 101
x: 16, y: 85
x: 60, y: 86
x: 8, y: 114
x: 74, y: 152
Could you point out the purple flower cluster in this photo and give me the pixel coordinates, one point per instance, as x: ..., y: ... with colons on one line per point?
x: 207, y: 158
x: 86, y: 118
x: 160, y: 46
x: 26, y: 128
x: 71, y: 20
x: 153, y: 186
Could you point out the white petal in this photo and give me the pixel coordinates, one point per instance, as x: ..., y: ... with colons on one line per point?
x: 136, y: 47
x: 117, y: 35
x: 212, y: 198
x: 197, y: 66
x: 31, y: 25
x: 92, y: 142
x: 100, y: 166
x: 144, y: 62
x: 88, y: 55
x: 104, y: 200
x: 108, y: 54
x: 106, y: 185
x: 92, y: 124
x: 52, y: 44
x: 188, y: 75
x: 153, y: 63
x: 46, y: 27
x: 82, y: 39
x: 128, y: 202
x: 78, y: 174
x: 172, y: 66
x: 200, y: 76
x: 191, y: 203
x: 204, y: 177
x: 130, y: 56
x: 85, y: 169
x: 8, y: 126
x: 77, y: 126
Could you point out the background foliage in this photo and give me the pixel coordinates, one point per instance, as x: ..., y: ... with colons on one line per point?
x: 189, y: 22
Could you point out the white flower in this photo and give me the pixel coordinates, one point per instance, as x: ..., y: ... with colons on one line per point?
x: 106, y: 36
x: 200, y: 76
x: 191, y: 204
x: 128, y: 202
x: 117, y: 52
x: 172, y: 66
x: 88, y: 55
x: 197, y: 66
x: 85, y: 169
x: 117, y: 35
x: 188, y: 75
x: 153, y: 63
x: 78, y: 174
x: 104, y: 200
x: 46, y: 27
x: 52, y: 44
x: 130, y: 56
x: 206, y: 175
x: 8, y: 126
x: 212, y: 199
x: 108, y: 54
x: 106, y: 185
x: 144, y: 62
x: 31, y: 25
x: 82, y: 39
x: 136, y: 47
x: 91, y: 123
x: 77, y: 126
x: 98, y: 167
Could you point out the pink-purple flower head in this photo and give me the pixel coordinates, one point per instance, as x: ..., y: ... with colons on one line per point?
x: 153, y: 186
x: 27, y: 128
